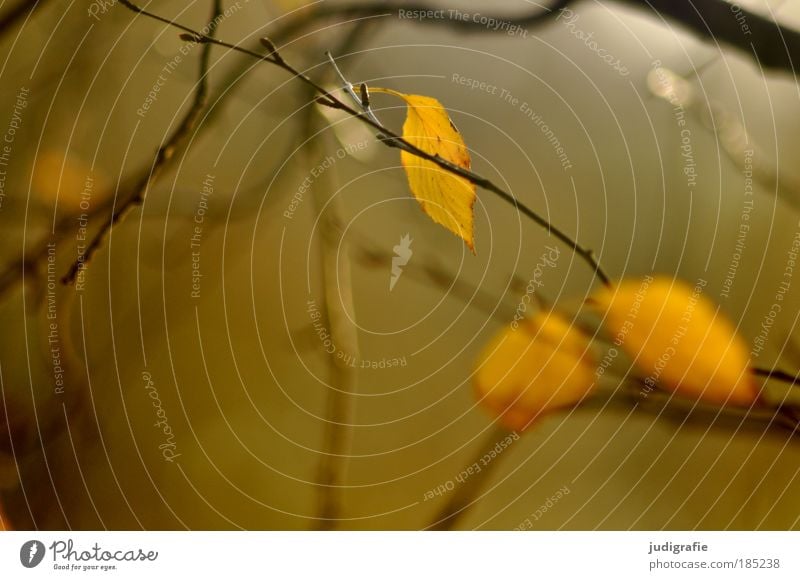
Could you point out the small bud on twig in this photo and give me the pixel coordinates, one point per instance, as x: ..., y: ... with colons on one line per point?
x: 186, y: 37
x: 273, y: 51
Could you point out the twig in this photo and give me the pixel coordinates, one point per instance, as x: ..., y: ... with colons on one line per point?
x: 353, y: 10
x: 771, y: 45
x: 135, y: 196
x: 468, y: 492
x: 330, y: 100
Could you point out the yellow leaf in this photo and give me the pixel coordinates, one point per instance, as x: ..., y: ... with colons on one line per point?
x: 527, y: 372
x: 67, y: 179
x: 448, y: 199
x: 678, y: 339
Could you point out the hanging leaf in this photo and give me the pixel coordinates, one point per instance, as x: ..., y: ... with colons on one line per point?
x: 679, y: 340
x: 448, y: 199
x: 541, y: 366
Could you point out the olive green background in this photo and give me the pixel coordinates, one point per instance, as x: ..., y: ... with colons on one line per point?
x: 240, y: 373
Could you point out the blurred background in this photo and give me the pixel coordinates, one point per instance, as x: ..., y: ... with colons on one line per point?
x: 236, y: 353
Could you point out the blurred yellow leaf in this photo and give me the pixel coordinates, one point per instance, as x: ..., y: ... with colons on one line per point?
x: 289, y: 5
x: 527, y: 372
x: 448, y: 199
x: 68, y: 180
x: 678, y: 339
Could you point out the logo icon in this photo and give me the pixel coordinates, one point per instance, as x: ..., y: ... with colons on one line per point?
x: 402, y: 255
x: 31, y: 553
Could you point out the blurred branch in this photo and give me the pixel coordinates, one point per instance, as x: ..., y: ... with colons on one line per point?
x: 770, y: 44
x: 358, y: 10
x: 337, y: 281
x: 338, y: 297
x: 663, y: 406
x: 164, y: 156
x: 20, y: 10
x: 468, y: 492
x: 778, y: 375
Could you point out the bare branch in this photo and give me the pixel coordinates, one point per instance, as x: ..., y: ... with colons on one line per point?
x: 337, y: 280
x: 164, y: 156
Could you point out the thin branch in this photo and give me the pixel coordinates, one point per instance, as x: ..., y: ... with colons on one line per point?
x: 658, y: 403
x: 390, y: 137
x: 164, y: 155
x: 336, y: 280
x: 361, y: 99
x: 22, y: 9
x: 467, y: 494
